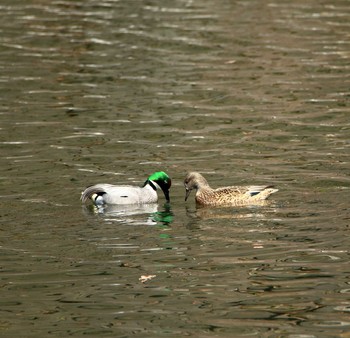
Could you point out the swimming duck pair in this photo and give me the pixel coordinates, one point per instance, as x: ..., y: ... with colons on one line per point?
x: 102, y: 194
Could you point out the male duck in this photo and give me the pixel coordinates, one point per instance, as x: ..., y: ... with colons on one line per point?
x: 226, y: 196
x: 102, y: 193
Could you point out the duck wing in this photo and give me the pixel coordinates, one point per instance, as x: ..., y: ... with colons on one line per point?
x: 249, y: 191
x: 119, y: 194
x: 112, y: 194
x: 260, y: 192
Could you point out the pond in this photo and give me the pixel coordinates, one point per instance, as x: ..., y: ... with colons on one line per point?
x: 245, y: 92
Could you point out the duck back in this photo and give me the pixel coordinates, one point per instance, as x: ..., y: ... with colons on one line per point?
x: 121, y: 194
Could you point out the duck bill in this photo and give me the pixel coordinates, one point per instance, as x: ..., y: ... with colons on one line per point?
x: 166, y: 194
x: 187, y: 194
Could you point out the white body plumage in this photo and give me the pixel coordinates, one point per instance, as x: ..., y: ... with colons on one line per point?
x: 120, y: 194
x: 104, y: 193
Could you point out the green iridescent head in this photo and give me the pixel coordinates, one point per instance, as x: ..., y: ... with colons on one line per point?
x: 159, y: 175
x: 162, y: 180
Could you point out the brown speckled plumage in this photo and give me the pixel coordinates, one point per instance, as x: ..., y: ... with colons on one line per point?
x: 226, y: 196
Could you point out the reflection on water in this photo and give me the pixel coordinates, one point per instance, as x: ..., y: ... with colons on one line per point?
x: 262, y: 211
x: 147, y: 214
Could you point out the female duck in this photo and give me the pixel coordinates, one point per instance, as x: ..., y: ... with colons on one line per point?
x: 227, y: 196
x: 102, y: 193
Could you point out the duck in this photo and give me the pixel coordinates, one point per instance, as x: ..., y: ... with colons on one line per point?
x: 108, y: 194
x: 225, y: 196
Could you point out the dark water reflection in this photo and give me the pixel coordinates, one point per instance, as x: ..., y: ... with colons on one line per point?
x: 246, y: 92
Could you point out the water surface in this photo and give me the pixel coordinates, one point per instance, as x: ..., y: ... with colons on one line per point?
x: 246, y: 92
